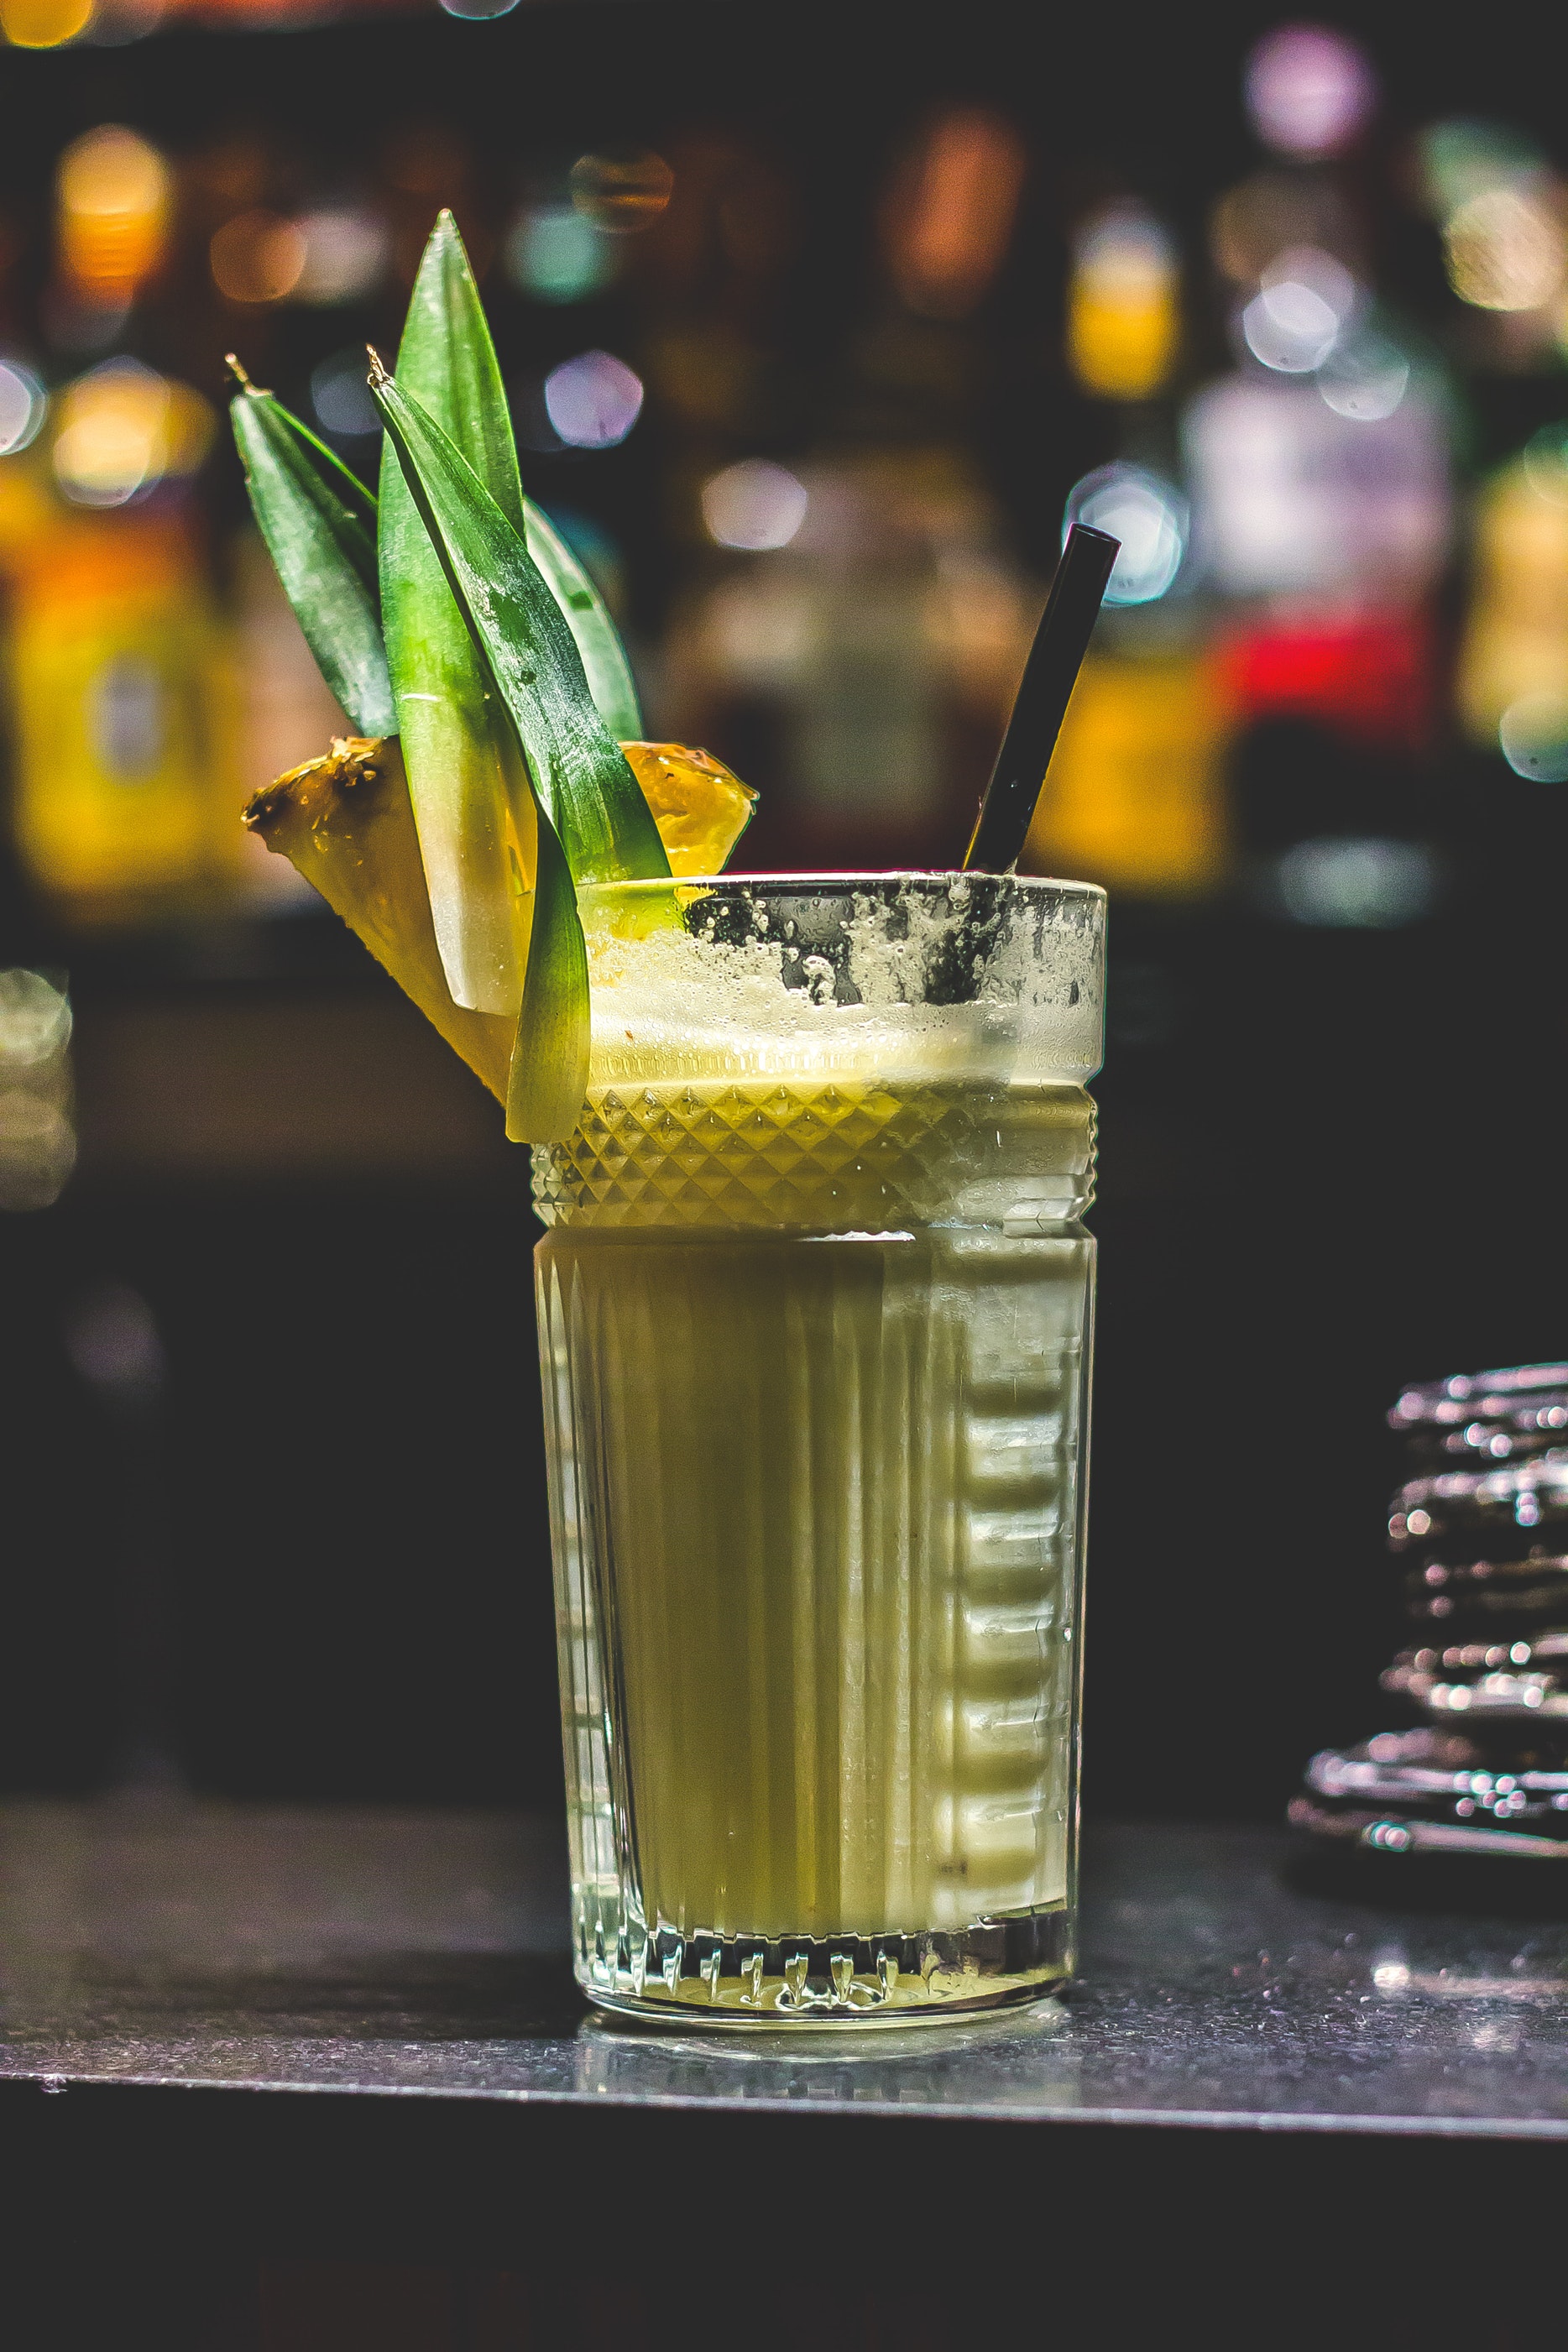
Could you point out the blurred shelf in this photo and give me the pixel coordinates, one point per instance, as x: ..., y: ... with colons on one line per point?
x: 288, y: 1081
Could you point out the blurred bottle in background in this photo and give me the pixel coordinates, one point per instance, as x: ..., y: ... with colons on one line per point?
x: 120, y: 669
x: 122, y: 685
x: 869, y: 656
x: 1513, y: 663
x: 1135, y: 798
x: 864, y: 620
x: 1321, y: 470
x: 806, y: 411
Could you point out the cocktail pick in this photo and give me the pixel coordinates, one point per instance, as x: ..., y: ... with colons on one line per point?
x: 1050, y: 674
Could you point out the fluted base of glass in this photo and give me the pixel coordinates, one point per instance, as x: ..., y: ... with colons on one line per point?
x: 843, y: 1980
x: 835, y: 1981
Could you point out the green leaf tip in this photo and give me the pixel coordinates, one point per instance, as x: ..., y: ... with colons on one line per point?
x: 468, y: 798
x: 580, y: 774
x: 322, y: 549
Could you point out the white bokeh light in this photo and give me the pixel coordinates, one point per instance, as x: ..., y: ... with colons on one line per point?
x: 592, y: 401
x: 1364, y: 379
x: 754, y: 505
x: 1147, y: 514
x: 1532, y: 737
x: 1354, y: 882
x: 1301, y: 310
x: 24, y: 404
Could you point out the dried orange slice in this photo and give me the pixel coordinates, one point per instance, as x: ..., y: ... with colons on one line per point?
x: 700, y: 807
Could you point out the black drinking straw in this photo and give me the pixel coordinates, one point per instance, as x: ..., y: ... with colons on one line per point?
x: 1050, y: 674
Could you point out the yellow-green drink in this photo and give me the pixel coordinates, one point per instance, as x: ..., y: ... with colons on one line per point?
x: 815, y: 1326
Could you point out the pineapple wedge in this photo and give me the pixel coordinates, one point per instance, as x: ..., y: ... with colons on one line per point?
x: 701, y: 808
x: 345, y: 822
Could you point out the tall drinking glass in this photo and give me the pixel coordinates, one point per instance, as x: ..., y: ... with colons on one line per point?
x: 815, y: 1325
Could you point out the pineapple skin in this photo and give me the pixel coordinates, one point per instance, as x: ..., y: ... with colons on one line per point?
x: 344, y: 820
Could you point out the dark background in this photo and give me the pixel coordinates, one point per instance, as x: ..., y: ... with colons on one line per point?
x: 1332, y: 1160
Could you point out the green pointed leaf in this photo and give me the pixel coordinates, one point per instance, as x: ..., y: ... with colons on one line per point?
x: 324, y: 546
x: 457, y: 744
x: 549, y: 1076
x: 579, y: 771
x: 341, y: 478
x: 605, y: 662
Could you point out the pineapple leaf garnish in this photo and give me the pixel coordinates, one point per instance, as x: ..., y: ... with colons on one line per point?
x: 463, y: 772
x: 548, y: 1077
x: 341, y: 478
x: 599, y: 643
x: 609, y: 673
x: 580, y: 774
x: 320, y: 532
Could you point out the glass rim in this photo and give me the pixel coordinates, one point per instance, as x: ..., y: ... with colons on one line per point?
x: 879, y: 879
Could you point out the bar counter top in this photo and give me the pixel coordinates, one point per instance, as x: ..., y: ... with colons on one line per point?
x: 390, y: 1953
x: 358, y: 2028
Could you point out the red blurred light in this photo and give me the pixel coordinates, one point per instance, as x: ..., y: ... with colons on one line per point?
x: 1371, y: 679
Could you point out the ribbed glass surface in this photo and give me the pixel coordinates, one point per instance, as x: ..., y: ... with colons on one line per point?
x: 814, y: 1316
x: 816, y: 1522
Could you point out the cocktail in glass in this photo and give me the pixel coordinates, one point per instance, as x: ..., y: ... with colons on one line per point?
x: 814, y: 1322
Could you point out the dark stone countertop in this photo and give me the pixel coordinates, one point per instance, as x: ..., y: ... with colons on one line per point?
x: 376, y: 1952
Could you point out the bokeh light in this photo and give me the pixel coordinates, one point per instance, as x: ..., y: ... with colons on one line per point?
x: 1309, y: 89
x: 949, y: 228
x: 1294, y: 321
x: 1506, y: 249
x: 117, y: 23
x: 34, y: 1020
x: 477, y: 10
x: 1147, y: 514
x: 37, y: 1141
x: 623, y: 189
x: 1351, y: 882
x: 558, y: 254
x: 24, y: 405
x: 257, y: 257
x: 1364, y: 378
x: 1459, y: 159
x: 592, y: 401
x: 1546, y: 462
x: 1533, y: 736
x: 754, y: 505
x: 1122, y: 319
x: 44, y: 24
x: 122, y: 430
x: 114, y: 191
x: 341, y: 395
x: 1291, y: 496
x: 1512, y: 652
x: 346, y: 251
